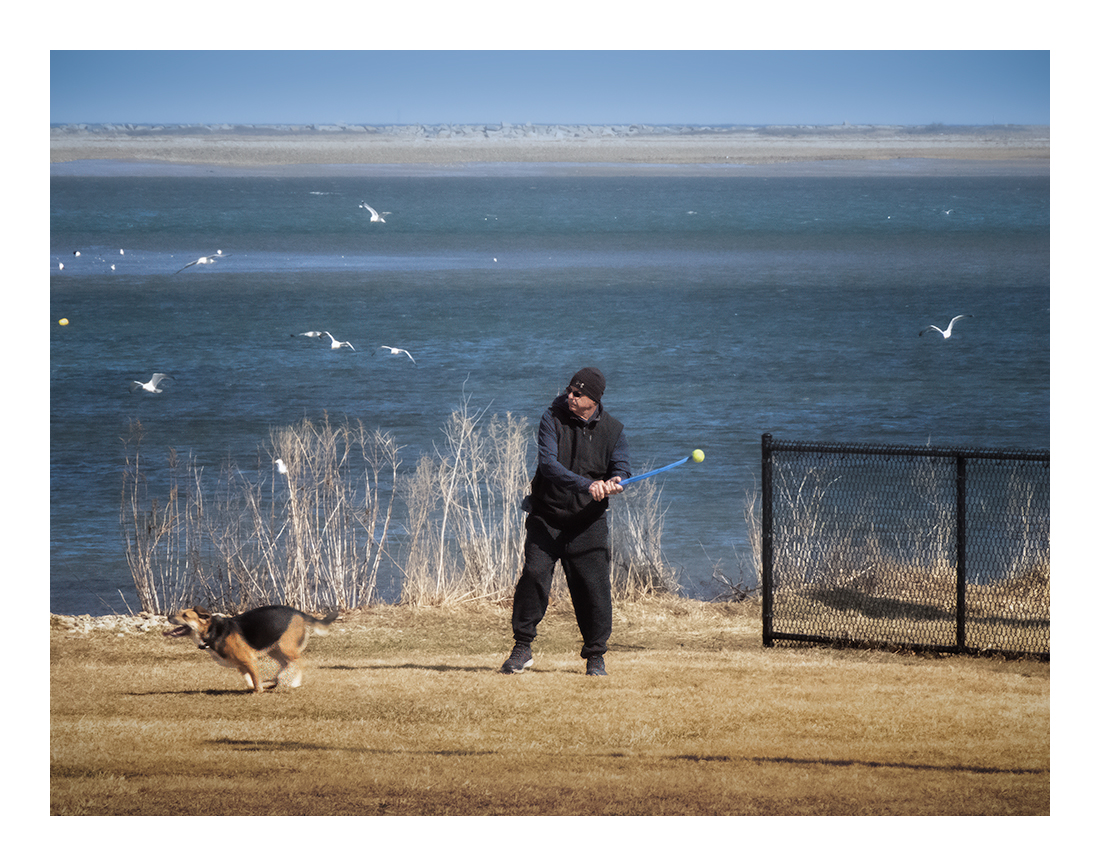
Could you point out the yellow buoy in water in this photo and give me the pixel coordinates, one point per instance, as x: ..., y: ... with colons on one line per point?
x: 63, y: 322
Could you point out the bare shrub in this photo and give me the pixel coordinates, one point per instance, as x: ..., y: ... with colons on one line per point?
x: 162, y: 538
x: 313, y: 537
x: 315, y: 532
x: 464, y: 522
x: 323, y: 534
x: 747, y: 582
x: 466, y: 528
x: 638, y: 564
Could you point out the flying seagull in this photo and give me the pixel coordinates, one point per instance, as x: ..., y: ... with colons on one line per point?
x: 394, y: 351
x: 338, y: 344
x: 947, y: 333
x: 152, y: 386
x: 375, y: 216
x: 204, y: 260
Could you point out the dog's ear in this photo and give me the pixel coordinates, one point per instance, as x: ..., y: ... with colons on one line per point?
x: 202, y: 612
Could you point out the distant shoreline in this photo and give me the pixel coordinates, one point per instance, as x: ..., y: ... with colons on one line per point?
x: 112, y: 150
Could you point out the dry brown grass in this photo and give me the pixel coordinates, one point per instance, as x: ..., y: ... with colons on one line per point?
x: 402, y: 712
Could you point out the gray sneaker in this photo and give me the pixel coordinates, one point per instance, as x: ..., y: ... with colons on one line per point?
x: 519, y: 661
x: 595, y: 667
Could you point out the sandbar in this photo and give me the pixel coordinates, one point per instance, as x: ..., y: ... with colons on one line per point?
x: 529, y: 149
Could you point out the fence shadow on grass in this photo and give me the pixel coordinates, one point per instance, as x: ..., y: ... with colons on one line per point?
x: 848, y: 762
x: 411, y: 666
x: 299, y: 746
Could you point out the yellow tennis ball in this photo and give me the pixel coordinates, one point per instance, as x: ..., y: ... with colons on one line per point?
x: 697, y: 455
x: 63, y: 322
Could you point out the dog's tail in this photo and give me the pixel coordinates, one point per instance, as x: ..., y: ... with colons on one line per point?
x: 321, y: 624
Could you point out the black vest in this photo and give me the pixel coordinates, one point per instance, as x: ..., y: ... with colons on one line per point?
x: 584, y: 448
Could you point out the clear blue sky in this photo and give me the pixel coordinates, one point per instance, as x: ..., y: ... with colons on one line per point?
x: 570, y: 87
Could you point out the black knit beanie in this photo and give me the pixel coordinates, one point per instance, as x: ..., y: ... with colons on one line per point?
x: 589, y: 382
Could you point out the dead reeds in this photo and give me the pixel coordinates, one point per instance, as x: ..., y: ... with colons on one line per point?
x: 464, y: 522
x: 325, y: 513
x: 311, y: 533
x: 466, y: 527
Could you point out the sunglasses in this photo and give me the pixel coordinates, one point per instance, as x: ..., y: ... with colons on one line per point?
x: 574, y: 393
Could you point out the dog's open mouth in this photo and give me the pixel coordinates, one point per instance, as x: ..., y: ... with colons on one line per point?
x: 182, y: 631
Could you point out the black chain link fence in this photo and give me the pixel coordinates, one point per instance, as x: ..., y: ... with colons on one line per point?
x: 935, y: 549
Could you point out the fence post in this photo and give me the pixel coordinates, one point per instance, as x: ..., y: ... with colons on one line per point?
x: 766, y: 539
x: 960, y: 552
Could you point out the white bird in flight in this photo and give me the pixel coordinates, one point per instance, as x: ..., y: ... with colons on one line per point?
x: 947, y: 333
x: 395, y: 351
x: 375, y: 216
x: 204, y: 260
x: 152, y: 386
x: 338, y: 344
x: 281, y: 466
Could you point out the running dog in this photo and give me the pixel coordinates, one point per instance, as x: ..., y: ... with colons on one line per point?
x: 276, y: 631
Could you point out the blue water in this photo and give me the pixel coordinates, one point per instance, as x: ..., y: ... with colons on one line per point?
x: 718, y: 308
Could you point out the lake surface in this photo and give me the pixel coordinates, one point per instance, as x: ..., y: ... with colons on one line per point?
x: 718, y: 308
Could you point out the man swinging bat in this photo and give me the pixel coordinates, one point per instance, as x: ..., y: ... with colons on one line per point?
x: 583, y: 460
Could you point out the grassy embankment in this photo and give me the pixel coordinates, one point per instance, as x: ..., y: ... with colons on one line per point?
x: 402, y: 712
